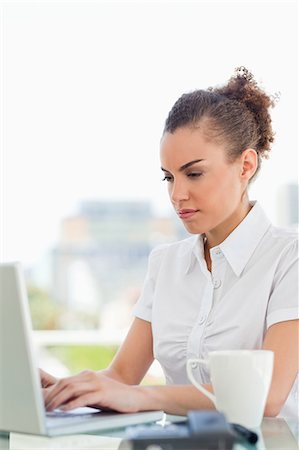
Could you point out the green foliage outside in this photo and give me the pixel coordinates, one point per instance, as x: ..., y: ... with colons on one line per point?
x: 81, y: 357
x: 46, y: 314
x: 44, y: 311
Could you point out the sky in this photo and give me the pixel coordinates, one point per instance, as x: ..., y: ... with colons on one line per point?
x: 86, y: 87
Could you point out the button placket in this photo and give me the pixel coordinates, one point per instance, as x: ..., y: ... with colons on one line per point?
x: 201, y: 319
x: 216, y: 279
x: 216, y: 283
x: 217, y: 265
x: 197, y: 331
x: 207, y: 305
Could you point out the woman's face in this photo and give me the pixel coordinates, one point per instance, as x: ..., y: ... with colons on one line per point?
x: 204, y: 188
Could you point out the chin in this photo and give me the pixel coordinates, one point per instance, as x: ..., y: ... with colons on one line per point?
x: 193, y: 228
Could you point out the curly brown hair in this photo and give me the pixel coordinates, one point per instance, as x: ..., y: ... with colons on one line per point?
x: 236, y: 114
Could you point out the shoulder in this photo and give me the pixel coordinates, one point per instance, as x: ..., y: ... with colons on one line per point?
x: 286, y: 239
x: 284, y: 234
x: 171, y: 258
x: 281, y: 250
x: 180, y: 248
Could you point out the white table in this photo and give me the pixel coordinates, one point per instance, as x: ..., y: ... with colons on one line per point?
x: 273, y: 434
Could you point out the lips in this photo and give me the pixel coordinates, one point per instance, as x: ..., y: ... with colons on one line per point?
x: 187, y: 213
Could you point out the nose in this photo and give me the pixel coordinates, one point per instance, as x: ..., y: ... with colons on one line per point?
x: 178, y: 192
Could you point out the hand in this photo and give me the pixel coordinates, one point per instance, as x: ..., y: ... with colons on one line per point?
x: 93, y: 389
x: 47, y: 380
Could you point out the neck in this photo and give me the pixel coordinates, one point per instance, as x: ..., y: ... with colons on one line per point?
x: 220, y: 233
x: 207, y: 255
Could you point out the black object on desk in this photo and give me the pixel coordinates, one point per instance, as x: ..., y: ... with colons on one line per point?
x: 204, y: 430
x: 244, y: 433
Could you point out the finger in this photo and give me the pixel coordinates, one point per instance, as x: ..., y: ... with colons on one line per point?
x: 54, y: 390
x: 43, y: 378
x: 81, y: 400
x: 58, y: 397
x: 70, y: 392
x: 44, y: 392
x: 46, y: 378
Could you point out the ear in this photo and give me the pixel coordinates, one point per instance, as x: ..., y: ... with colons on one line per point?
x: 249, y: 163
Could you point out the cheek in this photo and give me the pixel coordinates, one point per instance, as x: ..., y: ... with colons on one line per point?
x: 229, y: 176
x: 222, y: 189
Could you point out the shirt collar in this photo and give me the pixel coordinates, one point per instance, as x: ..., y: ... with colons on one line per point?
x: 194, y: 252
x: 239, y: 245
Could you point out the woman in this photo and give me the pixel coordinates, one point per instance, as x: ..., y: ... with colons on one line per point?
x: 233, y: 285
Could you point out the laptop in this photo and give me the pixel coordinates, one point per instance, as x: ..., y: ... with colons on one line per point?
x: 21, y: 401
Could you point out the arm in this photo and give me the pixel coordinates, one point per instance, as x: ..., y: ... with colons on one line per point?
x: 132, y: 360
x: 282, y: 338
x: 135, y: 355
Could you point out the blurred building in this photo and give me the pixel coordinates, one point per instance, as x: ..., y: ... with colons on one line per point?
x: 103, y: 252
x: 288, y: 205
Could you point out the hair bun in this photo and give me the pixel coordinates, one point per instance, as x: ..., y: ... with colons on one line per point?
x: 243, y: 88
x: 243, y: 73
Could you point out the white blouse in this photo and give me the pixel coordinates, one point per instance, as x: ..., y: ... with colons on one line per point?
x: 253, y: 285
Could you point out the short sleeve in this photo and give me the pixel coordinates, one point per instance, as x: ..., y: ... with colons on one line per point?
x: 143, y: 307
x: 283, y: 303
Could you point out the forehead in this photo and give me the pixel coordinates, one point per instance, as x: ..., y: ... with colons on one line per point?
x: 187, y: 144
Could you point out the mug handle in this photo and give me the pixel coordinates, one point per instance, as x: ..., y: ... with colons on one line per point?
x: 199, y: 386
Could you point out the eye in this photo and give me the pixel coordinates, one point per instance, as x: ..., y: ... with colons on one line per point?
x: 194, y: 174
x: 167, y: 178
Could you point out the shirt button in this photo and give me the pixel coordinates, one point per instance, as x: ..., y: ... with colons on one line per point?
x: 216, y: 283
x: 218, y: 251
x: 194, y: 365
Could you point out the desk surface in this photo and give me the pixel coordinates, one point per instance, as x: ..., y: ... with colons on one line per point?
x: 274, y: 434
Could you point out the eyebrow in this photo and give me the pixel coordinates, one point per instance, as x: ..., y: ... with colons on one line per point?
x: 185, y: 166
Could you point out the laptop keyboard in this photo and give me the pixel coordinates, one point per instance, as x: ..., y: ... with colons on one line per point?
x: 61, y: 418
x: 58, y: 413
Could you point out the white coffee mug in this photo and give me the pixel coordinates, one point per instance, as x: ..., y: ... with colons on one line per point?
x: 241, y: 381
